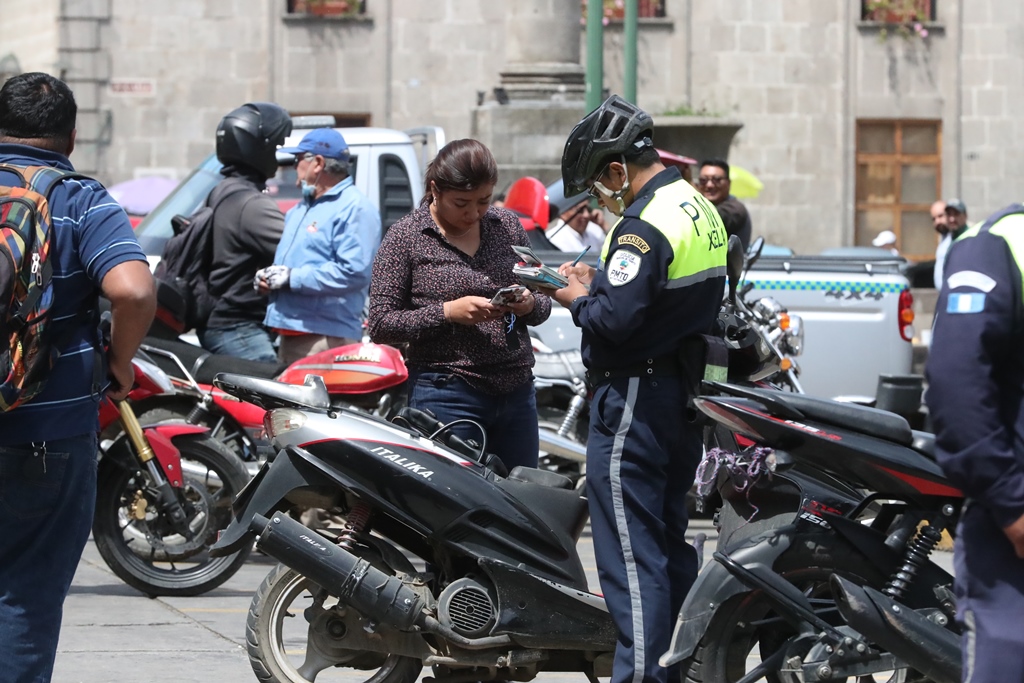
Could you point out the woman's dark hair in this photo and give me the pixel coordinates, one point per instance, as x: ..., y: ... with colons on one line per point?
x: 37, y: 106
x: 461, y: 165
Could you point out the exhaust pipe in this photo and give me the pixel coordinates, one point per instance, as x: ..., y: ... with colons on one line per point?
x: 553, y: 444
x: 923, y: 644
x: 352, y: 580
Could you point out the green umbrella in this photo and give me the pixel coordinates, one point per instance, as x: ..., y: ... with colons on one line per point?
x: 745, y: 184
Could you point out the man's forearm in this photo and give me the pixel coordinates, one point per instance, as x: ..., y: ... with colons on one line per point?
x: 130, y: 321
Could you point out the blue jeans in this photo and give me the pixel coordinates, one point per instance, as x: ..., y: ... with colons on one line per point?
x: 46, y: 510
x: 510, y: 420
x: 250, y: 341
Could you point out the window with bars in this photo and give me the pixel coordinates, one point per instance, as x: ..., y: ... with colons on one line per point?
x: 899, y: 177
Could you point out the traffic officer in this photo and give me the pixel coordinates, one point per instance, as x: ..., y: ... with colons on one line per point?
x: 661, y: 280
x: 976, y: 399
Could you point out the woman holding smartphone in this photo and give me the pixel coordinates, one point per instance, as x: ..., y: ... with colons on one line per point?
x: 435, y: 282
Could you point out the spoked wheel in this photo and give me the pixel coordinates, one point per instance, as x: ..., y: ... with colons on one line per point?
x: 746, y: 636
x: 143, y: 548
x: 297, y: 633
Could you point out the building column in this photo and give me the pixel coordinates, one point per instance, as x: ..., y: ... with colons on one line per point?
x: 542, y: 51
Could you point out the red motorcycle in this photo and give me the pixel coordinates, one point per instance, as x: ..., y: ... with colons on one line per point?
x: 368, y: 377
x: 164, y: 491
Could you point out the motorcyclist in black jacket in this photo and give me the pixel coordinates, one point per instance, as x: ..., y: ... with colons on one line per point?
x: 247, y: 226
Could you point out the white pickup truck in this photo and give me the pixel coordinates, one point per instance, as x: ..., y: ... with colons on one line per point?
x: 857, y: 313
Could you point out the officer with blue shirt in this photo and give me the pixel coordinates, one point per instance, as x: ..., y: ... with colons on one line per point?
x: 661, y: 282
x: 48, y: 444
x: 321, y: 274
x: 976, y: 399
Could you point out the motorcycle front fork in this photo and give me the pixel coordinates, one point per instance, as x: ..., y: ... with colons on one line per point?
x: 167, y: 502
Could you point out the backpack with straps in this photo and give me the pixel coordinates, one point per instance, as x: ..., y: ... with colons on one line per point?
x: 187, y: 256
x: 27, y: 255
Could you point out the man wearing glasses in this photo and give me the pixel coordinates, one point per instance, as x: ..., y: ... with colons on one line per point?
x: 660, y: 283
x: 714, y: 184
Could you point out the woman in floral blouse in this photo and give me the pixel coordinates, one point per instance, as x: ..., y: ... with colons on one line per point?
x: 433, y: 280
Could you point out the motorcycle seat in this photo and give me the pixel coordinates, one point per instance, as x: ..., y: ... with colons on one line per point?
x: 924, y: 443
x: 871, y: 421
x: 533, y: 475
x: 268, y: 394
x: 204, y: 365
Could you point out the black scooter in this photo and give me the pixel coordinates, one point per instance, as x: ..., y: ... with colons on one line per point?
x: 495, y: 589
x: 823, y: 568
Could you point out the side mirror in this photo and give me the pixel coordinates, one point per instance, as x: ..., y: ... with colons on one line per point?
x: 754, y: 252
x: 734, y: 265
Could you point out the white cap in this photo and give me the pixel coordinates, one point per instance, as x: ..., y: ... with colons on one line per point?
x: 884, y: 238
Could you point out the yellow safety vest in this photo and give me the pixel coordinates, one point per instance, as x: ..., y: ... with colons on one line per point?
x: 692, y: 226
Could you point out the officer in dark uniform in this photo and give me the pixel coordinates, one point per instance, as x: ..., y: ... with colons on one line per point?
x: 661, y: 280
x: 976, y: 399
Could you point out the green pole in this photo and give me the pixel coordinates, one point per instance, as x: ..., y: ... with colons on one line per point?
x: 595, y: 54
x: 629, y: 77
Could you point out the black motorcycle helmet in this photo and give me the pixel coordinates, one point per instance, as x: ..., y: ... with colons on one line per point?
x: 603, y: 136
x: 250, y: 135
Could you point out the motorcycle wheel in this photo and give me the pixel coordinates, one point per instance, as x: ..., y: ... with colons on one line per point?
x: 147, y: 553
x: 746, y: 631
x: 279, y: 653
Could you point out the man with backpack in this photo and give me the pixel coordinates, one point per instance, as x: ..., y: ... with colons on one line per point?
x: 246, y: 227
x: 64, y: 241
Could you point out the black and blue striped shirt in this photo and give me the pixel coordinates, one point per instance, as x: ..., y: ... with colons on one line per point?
x: 92, y: 236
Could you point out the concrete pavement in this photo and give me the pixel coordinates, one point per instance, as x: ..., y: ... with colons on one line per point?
x: 111, y: 632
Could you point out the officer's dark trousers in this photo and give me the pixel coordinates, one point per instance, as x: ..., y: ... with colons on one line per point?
x: 990, y: 600
x: 641, y: 460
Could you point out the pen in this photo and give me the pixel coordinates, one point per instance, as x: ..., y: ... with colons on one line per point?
x: 585, y: 250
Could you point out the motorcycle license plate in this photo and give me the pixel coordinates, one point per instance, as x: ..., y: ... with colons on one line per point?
x: 242, y: 499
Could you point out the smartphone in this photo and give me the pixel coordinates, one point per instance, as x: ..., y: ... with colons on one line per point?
x: 509, y: 295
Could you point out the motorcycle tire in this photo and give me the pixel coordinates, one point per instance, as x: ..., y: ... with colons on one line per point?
x: 745, y: 625
x: 274, y: 607
x: 166, y: 564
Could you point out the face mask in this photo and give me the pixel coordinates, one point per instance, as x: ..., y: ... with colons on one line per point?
x: 308, y: 192
x: 618, y: 205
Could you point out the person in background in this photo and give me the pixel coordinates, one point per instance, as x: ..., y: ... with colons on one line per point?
x: 954, y: 224
x: 574, y: 229
x: 713, y: 182
x: 246, y: 229
x: 435, y: 275
x: 48, y: 445
x: 886, y: 240
x: 938, y: 212
x: 321, y: 273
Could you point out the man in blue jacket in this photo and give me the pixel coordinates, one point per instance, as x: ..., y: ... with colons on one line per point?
x: 976, y: 399
x: 321, y: 273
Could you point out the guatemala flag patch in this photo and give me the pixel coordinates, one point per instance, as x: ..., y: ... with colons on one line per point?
x: 965, y: 303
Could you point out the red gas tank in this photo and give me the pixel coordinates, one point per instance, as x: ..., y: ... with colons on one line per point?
x: 356, y: 370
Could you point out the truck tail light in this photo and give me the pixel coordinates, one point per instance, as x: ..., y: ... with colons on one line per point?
x: 906, y: 315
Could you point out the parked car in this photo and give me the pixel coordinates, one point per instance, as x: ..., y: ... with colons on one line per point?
x: 387, y: 166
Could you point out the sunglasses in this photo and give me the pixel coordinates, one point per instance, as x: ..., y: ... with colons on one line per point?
x: 711, y: 180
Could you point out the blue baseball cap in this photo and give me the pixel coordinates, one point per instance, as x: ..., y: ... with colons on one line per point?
x: 326, y: 142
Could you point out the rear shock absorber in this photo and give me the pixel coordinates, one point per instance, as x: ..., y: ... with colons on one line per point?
x: 355, y: 522
x: 917, y: 554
